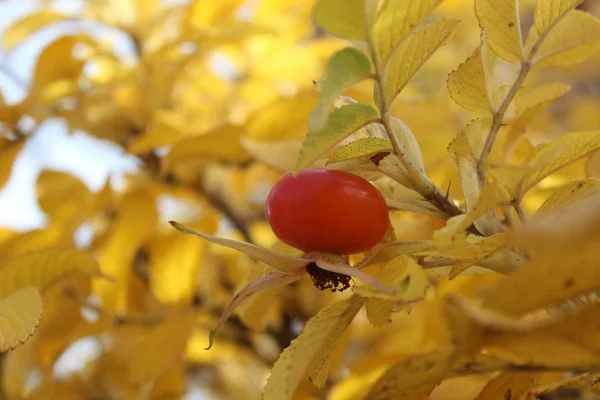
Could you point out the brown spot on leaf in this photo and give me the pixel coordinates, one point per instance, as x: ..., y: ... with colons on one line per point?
x: 568, y: 283
x: 511, y: 24
x: 379, y: 156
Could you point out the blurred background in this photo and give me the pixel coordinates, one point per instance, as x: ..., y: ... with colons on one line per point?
x: 118, y: 115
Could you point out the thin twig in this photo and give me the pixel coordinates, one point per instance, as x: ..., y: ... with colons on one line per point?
x: 520, y: 212
x: 442, y: 262
x: 497, y: 120
x: 422, y: 184
x: 498, y: 115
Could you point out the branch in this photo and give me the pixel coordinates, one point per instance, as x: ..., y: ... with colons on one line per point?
x: 497, y: 120
x: 422, y: 184
x: 498, y: 115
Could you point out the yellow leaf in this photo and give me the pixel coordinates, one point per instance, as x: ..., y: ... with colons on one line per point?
x: 400, y: 197
x: 549, y: 12
x: 159, y: 348
x: 493, y: 196
x: 529, y: 103
x: 17, y: 363
x: 62, y: 196
x: 569, y: 194
x: 409, y: 143
x: 391, y: 249
x: 282, y: 119
x: 466, y: 148
x: 161, y: 134
x: 281, y: 155
x: 406, y: 60
x: 170, y: 384
x: 55, y: 91
x: 563, y: 264
x: 508, y: 385
x: 393, y: 167
x: 8, y: 154
x: 555, y: 155
x: 43, y: 268
x: 221, y: 144
x: 312, y: 349
x: 406, y: 277
x: 257, y: 311
x: 395, y: 20
x: 343, y: 18
x: 53, y: 236
x: 48, y: 71
x: 20, y: 314
x: 364, y: 147
x: 528, y: 98
x: 28, y: 25
x: 499, y: 19
x: 413, y: 378
x: 467, y: 84
x: 401, y: 273
x: 174, y: 263
x: 206, y: 13
x: 135, y: 222
x: 10, y: 114
x: 580, y: 328
x: 574, y: 39
x: 543, y: 342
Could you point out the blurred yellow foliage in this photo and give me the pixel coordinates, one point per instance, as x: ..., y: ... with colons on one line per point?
x: 477, y: 120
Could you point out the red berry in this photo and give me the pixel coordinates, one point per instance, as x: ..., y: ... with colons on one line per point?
x: 327, y: 211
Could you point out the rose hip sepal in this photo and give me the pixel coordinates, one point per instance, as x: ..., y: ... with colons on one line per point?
x: 331, y: 270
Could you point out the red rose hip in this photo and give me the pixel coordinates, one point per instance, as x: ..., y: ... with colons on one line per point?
x: 327, y: 211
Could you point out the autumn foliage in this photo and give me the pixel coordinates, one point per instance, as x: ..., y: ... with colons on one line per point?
x: 478, y: 121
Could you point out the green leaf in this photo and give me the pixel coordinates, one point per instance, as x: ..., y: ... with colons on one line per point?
x: 396, y: 20
x: 311, y: 350
x: 343, y: 18
x: 20, y: 314
x: 341, y: 123
x: 365, y: 147
x: 549, y: 12
x: 406, y: 60
x: 346, y: 68
x: 499, y: 19
x: 467, y: 85
x: 558, y: 154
